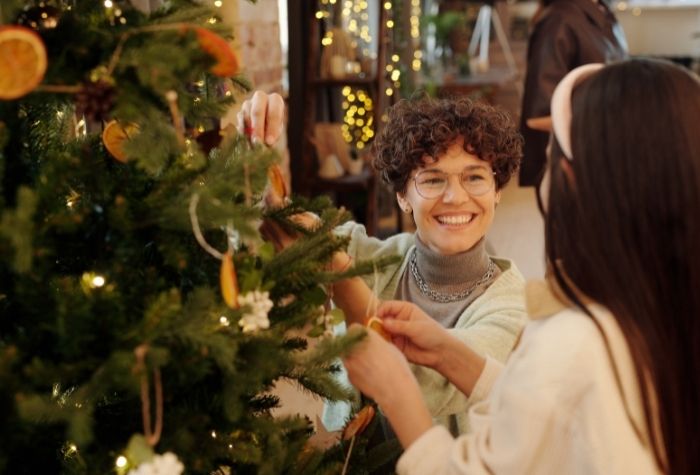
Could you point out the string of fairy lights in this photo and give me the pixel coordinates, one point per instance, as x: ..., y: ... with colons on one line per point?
x: 358, y: 126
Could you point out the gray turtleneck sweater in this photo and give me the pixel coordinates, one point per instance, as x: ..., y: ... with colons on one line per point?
x: 461, y: 278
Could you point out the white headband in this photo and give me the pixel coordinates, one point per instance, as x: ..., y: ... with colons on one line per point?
x: 561, y: 104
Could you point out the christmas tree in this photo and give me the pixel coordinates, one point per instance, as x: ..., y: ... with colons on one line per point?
x: 143, y: 320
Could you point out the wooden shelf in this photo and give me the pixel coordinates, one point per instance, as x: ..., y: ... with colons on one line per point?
x: 346, y: 182
x: 347, y: 81
x: 322, y: 104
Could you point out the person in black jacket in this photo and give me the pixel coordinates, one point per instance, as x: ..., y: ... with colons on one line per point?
x: 566, y: 34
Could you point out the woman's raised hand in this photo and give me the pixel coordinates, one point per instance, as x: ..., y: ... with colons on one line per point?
x: 380, y: 371
x: 262, y: 117
x: 420, y: 338
x: 376, y: 367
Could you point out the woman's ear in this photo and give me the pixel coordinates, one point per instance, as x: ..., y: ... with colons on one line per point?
x: 403, y: 203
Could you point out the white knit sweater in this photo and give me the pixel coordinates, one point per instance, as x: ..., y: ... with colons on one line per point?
x: 555, y: 408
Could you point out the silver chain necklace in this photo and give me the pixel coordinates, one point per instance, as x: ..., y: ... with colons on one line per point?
x: 436, y: 296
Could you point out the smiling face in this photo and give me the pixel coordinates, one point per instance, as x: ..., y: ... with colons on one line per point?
x: 455, y: 221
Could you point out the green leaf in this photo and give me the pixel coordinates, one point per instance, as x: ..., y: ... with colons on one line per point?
x: 337, y: 316
x: 251, y: 280
x: 138, y: 451
x: 315, y: 296
x: 266, y: 252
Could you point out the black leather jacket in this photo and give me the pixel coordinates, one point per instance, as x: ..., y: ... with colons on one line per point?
x: 567, y: 34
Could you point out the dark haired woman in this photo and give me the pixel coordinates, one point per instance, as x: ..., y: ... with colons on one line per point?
x: 447, y: 161
x: 566, y: 34
x: 605, y: 376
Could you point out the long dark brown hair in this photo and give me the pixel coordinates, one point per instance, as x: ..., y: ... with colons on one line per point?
x: 624, y: 230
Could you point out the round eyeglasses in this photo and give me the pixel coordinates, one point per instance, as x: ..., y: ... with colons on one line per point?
x: 431, y: 184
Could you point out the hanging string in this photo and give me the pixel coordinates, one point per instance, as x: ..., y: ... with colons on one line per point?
x: 194, y: 200
x: 152, y: 436
x: 347, y: 457
x: 373, y: 301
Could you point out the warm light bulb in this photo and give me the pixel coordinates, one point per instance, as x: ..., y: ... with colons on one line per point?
x: 121, y: 462
x: 224, y: 321
x: 108, y: 4
x: 98, y: 281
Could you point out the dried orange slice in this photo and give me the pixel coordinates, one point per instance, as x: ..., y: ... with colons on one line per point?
x: 276, y: 179
x: 376, y: 324
x: 114, y: 135
x: 22, y: 61
x: 229, y: 281
x: 214, y: 45
x: 358, y: 423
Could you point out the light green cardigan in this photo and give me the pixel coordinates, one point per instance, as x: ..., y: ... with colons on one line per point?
x: 490, y: 325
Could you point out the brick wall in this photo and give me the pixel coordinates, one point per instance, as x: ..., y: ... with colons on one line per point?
x: 256, y: 28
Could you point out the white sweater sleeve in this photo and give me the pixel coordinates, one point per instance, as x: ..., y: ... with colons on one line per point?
x: 555, y: 408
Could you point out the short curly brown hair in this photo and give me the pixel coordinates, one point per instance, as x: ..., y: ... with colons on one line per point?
x: 428, y: 126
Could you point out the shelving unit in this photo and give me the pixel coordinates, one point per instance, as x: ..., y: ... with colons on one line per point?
x: 322, y: 97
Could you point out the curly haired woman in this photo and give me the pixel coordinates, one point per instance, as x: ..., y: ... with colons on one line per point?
x: 447, y: 161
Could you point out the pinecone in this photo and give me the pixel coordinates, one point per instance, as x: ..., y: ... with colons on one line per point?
x: 95, y: 100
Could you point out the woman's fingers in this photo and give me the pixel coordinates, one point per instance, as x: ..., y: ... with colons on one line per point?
x: 243, y: 118
x: 373, y: 365
x: 395, y: 309
x: 262, y: 118
x: 274, y: 124
x: 258, y: 116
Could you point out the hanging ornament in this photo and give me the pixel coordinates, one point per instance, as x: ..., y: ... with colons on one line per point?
x: 358, y: 423
x: 229, y: 281
x: 371, y: 321
x: 259, y: 305
x: 40, y: 17
x: 376, y: 324
x: 217, y: 47
x: 208, y: 139
x: 22, y: 61
x: 278, y: 187
x: 354, y: 428
x: 114, y: 135
x: 166, y: 464
x: 95, y: 100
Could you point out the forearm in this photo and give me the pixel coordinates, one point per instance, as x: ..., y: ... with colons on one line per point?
x: 461, y: 365
x: 352, y: 295
x: 407, y: 412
